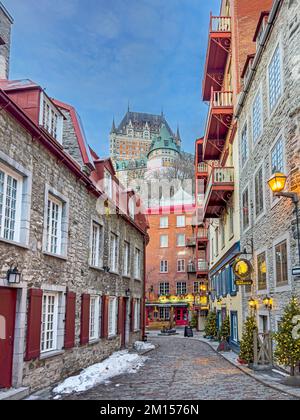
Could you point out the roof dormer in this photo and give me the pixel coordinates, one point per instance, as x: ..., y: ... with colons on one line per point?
x: 51, y: 118
x: 260, y: 29
x: 247, y: 68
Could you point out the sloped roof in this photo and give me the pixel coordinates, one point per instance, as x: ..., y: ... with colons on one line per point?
x: 139, y: 120
x: 164, y: 141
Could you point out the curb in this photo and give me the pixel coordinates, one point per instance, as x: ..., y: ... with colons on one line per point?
x: 279, y: 388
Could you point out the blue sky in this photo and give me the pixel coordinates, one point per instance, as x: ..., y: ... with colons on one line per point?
x: 100, y: 54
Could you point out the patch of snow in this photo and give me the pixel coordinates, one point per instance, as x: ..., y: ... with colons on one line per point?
x: 143, y: 346
x: 118, y: 364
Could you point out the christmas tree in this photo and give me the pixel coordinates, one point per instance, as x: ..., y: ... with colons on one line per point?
x: 247, y: 343
x: 211, y: 325
x: 287, y: 352
x: 224, y: 332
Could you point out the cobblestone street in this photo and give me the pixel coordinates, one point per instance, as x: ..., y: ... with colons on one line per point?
x: 183, y: 369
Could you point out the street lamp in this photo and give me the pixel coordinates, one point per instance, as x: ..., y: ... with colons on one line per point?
x: 277, y: 185
x: 253, y: 304
x: 268, y: 302
x: 13, y: 276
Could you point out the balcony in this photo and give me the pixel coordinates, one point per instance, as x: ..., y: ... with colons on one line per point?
x: 191, y: 242
x: 191, y: 269
x: 202, y: 267
x: 220, y: 188
x: 218, y: 124
x: 219, y: 47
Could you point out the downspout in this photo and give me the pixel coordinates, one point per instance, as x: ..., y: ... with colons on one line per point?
x: 144, y: 296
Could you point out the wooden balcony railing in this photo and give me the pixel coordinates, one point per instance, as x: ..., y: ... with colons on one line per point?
x: 220, y: 24
x: 221, y: 99
x: 202, y: 168
x: 203, y: 265
x: 218, y: 177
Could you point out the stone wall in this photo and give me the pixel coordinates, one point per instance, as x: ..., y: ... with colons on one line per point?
x: 5, y: 34
x: 278, y: 219
x: 74, y: 272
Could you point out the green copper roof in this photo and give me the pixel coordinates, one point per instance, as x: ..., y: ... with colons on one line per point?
x: 164, y: 141
x: 131, y: 164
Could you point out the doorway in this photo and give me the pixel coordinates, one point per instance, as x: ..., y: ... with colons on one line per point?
x: 182, y: 316
x: 8, y: 299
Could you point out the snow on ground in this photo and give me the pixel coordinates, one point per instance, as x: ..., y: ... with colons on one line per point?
x: 142, y: 346
x: 118, y: 364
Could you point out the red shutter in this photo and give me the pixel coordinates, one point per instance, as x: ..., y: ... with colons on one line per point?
x: 34, y: 319
x: 85, y: 319
x: 105, y: 300
x: 143, y: 314
x: 132, y: 315
x: 120, y: 315
x: 70, y: 320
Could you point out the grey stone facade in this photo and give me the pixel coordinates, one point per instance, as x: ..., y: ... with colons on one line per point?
x: 276, y: 223
x: 6, y: 22
x: 72, y: 272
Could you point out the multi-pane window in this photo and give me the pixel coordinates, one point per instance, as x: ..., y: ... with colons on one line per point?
x: 181, y: 266
x: 114, y: 252
x: 231, y: 221
x: 181, y: 240
x: 9, y: 206
x: 96, y: 256
x: 181, y: 288
x: 164, y: 289
x: 164, y: 241
x: 275, y: 79
x: 54, y: 225
x: 261, y: 271
x: 138, y: 263
x: 259, y: 192
x: 281, y: 264
x: 180, y: 221
x: 164, y: 222
x: 234, y: 327
x: 94, y: 317
x: 246, y: 209
x: 164, y: 314
x: 108, y: 183
x: 137, y: 314
x: 51, y: 119
x: 222, y: 230
x: 112, y: 316
x: 277, y: 156
x: 196, y: 287
x: 244, y: 145
x: 126, y: 259
x: 131, y: 207
x: 49, y: 322
x: 257, y: 117
x: 164, y: 266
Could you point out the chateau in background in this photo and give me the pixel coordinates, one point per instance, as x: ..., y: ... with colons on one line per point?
x: 132, y: 141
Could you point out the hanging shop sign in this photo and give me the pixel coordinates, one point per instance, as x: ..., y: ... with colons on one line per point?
x: 243, y: 269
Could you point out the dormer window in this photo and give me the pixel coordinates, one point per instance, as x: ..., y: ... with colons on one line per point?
x: 131, y: 207
x: 263, y: 20
x: 146, y: 135
x: 130, y: 132
x: 51, y: 119
x: 108, y: 183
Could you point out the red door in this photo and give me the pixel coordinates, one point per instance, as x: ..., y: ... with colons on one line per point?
x: 182, y: 317
x: 8, y: 299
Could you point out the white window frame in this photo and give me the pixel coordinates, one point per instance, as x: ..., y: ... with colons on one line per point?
x: 138, y: 264
x: 131, y: 207
x: 180, y: 244
x: 245, y: 128
x: 53, y: 201
x: 59, y: 118
x: 181, y: 283
x: 17, y: 220
x: 181, y: 221
x: 112, y: 316
x: 263, y: 211
x: 245, y: 229
x: 108, y: 183
x: 164, y: 225
x: 256, y: 255
x: 96, y: 245
x: 258, y: 94
x: 94, y: 326
x: 114, y: 252
x: 161, y: 244
x: 164, y: 288
x: 278, y: 45
x: 181, y: 266
x: 235, y: 337
x: 273, y: 199
x: 164, y: 266
x: 45, y: 315
x: 127, y: 259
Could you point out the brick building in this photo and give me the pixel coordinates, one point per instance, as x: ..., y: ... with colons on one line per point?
x: 269, y: 136
x: 71, y: 231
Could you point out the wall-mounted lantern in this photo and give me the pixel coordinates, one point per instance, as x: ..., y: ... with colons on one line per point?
x: 13, y: 275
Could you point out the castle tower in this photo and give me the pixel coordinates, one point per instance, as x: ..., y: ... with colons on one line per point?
x: 6, y: 22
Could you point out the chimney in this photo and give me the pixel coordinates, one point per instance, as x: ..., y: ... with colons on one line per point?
x: 6, y: 22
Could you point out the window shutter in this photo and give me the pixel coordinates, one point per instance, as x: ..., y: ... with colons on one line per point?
x: 85, y: 319
x: 104, y: 329
x: 70, y: 320
x: 120, y: 315
x: 34, y: 319
x: 142, y: 314
x: 132, y: 316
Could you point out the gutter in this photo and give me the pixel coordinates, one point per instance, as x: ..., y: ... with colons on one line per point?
x: 277, y: 4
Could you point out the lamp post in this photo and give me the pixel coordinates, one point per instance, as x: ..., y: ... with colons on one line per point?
x: 277, y: 185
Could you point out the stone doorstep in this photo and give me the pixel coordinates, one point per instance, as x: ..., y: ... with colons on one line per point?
x: 14, y: 394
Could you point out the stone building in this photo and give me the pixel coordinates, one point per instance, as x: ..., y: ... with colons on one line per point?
x: 6, y: 22
x: 230, y: 40
x: 74, y: 235
x: 269, y: 140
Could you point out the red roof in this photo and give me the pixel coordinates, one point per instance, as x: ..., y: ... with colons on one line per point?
x: 248, y: 59
x: 263, y: 15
